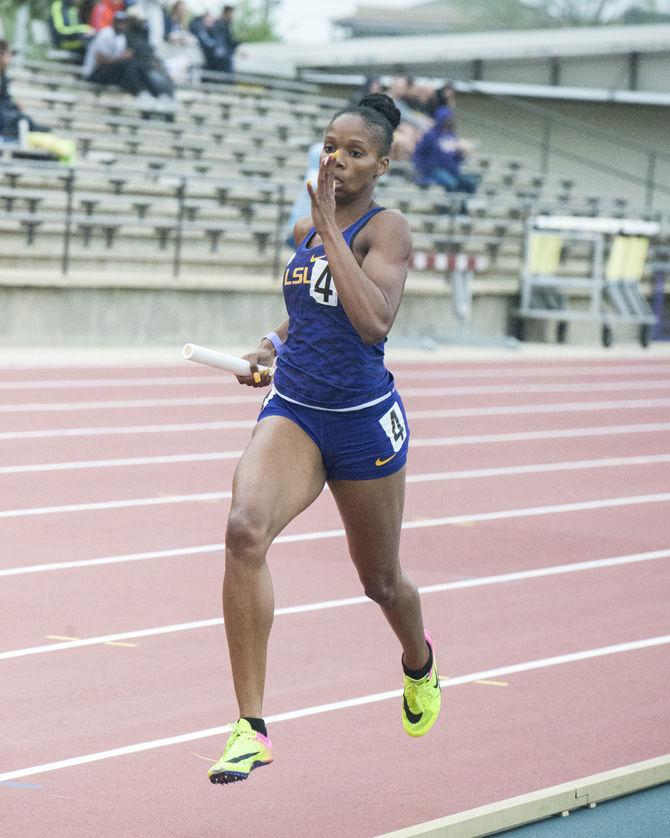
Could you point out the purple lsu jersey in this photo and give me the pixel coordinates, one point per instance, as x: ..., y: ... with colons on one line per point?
x: 324, y: 362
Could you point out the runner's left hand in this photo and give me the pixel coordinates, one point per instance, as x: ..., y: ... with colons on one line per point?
x: 323, y: 196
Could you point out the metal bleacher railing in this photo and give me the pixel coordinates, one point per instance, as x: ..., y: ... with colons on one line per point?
x: 74, y: 210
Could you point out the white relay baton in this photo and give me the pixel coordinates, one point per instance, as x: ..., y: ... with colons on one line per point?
x: 212, y: 358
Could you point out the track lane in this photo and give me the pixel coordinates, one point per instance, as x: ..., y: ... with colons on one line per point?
x: 166, y: 526
x: 245, y: 403
x: 161, y: 678
x: 115, y: 478
x: 486, y: 750
x: 516, y: 539
x: 186, y: 587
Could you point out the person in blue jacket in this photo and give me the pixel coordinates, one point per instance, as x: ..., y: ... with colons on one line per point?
x: 439, y: 154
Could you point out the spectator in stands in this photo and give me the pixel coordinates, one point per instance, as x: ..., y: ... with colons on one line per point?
x: 224, y: 30
x: 420, y: 97
x: 138, y: 41
x: 104, y: 11
x: 30, y: 135
x: 153, y: 14
x: 180, y: 48
x: 67, y: 30
x: 216, y: 39
x: 302, y: 206
x: 11, y: 112
x: 176, y: 25
x: 412, y: 123
x: 109, y: 60
x: 439, y: 154
x: 445, y: 97
x: 372, y: 84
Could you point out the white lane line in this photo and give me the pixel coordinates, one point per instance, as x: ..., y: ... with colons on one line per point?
x: 107, y: 383
x: 215, y: 456
x: 194, y: 401
x: 338, y: 533
x: 440, y: 370
x: 129, y: 557
x: 442, y: 587
x: 526, y: 666
x: 541, y: 468
x: 571, y: 387
x: 428, y: 392
x: 115, y: 504
x: 182, y: 427
x: 466, y: 474
x: 558, y: 433
x: 190, y: 427
x: 530, y: 409
x: 163, y: 459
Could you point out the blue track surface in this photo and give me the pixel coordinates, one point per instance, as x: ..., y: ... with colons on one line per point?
x: 645, y: 814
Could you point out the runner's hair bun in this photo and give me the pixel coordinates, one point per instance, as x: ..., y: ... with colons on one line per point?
x: 384, y: 105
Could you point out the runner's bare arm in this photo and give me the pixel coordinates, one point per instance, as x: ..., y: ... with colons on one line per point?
x: 370, y: 293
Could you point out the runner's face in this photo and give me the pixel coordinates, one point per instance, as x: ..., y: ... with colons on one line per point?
x: 359, y: 163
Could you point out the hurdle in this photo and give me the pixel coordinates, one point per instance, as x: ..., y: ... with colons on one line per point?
x: 617, y: 257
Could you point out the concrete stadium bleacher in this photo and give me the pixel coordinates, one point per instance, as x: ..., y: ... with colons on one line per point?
x: 202, y: 190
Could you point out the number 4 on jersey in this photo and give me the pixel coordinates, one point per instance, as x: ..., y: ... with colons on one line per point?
x: 321, y: 286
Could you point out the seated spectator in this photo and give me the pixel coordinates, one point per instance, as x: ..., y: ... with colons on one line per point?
x: 439, y: 154
x: 420, y: 97
x: 109, y: 60
x: 180, y: 50
x: 176, y: 25
x: 104, y: 11
x: 152, y: 13
x: 16, y: 125
x: 216, y: 39
x: 302, y: 206
x: 11, y: 112
x: 138, y: 40
x: 412, y: 123
x: 445, y: 97
x: 372, y: 84
x: 67, y: 31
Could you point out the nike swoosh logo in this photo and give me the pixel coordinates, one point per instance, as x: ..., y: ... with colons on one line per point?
x: 316, y: 258
x: 380, y: 462
x: 413, y: 718
x: 244, y: 756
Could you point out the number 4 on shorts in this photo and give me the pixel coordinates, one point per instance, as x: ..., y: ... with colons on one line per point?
x: 393, y: 424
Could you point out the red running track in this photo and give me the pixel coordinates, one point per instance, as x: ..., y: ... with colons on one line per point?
x: 536, y: 517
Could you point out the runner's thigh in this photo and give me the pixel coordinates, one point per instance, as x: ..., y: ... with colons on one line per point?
x: 371, y: 511
x: 279, y: 475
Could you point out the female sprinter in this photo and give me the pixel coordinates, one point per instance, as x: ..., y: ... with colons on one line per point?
x: 332, y: 416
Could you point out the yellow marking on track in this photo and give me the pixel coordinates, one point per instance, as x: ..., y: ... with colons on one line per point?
x: 493, y: 683
x: 61, y: 637
x: 207, y: 759
x: 119, y: 643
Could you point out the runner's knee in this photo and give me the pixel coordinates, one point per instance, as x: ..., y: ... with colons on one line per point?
x: 246, y: 536
x: 382, y: 588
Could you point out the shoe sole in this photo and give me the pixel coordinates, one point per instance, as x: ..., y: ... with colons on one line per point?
x: 225, y: 777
